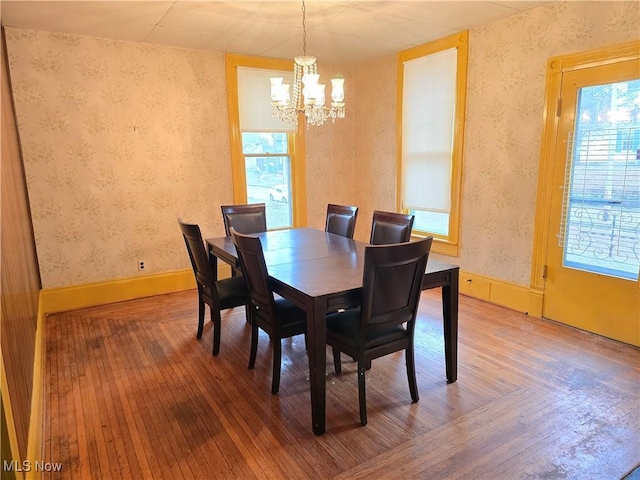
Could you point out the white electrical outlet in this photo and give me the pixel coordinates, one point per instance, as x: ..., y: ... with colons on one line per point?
x: 141, y: 265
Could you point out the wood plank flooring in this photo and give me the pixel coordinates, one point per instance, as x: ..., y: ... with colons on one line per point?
x: 132, y: 394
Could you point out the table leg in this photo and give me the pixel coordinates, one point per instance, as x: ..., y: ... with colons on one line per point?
x: 450, y: 319
x: 213, y: 261
x: 316, y: 345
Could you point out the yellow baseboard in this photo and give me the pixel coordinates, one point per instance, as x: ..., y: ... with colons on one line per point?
x: 505, y: 294
x: 35, y: 441
x: 92, y: 294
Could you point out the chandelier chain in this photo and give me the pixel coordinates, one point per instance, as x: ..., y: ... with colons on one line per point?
x: 304, y: 29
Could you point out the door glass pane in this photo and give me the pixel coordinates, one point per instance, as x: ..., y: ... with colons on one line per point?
x: 268, y: 175
x: 602, y: 203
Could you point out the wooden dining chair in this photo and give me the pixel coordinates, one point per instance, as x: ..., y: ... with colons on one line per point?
x: 390, y: 227
x: 341, y: 220
x: 385, y: 321
x: 219, y: 295
x: 278, y: 317
x: 248, y: 218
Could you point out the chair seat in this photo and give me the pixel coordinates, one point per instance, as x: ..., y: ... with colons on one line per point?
x: 345, y: 327
x: 288, y: 314
x: 232, y: 291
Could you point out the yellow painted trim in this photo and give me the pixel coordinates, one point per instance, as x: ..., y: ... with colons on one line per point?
x: 35, y: 440
x: 237, y: 168
x: 91, y: 294
x: 399, y: 87
x: 297, y: 145
x: 600, y: 56
x: 443, y: 247
x: 499, y: 292
x: 545, y: 173
x: 536, y: 301
x: 296, y: 140
x: 11, y: 427
x: 448, y: 245
x: 458, y: 144
x: 224, y: 270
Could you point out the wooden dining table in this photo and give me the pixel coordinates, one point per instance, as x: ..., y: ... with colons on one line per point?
x: 321, y: 272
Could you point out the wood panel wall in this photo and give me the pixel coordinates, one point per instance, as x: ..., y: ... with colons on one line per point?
x: 19, y: 272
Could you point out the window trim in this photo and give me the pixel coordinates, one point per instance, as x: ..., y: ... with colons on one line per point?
x: 446, y: 245
x: 296, y: 140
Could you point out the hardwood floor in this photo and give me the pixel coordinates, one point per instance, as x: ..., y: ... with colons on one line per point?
x: 131, y: 393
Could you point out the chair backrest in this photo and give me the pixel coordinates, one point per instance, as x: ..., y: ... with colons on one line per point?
x: 249, y: 218
x: 392, y: 283
x: 390, y: 227
x: 197, y: 254
x: 254, y: 270
x: 341, y: 220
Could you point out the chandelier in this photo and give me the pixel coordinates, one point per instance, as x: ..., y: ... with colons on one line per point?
x: 307, y: 95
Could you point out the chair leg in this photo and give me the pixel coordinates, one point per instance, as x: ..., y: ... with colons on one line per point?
x: 217, y: 326
x: 411, y: 373
x: 254, y: 345
x: 277, y: 361
x: 200, y: 315
x: 362, y: 394
x: 337, y: 364
x: 247, y: 313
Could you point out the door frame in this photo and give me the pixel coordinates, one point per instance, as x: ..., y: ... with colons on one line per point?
x: 556, y: 67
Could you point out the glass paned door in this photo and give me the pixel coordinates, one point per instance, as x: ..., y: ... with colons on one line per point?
x: 268, y: 175
x: 593, y: 244
x: 602, y: 187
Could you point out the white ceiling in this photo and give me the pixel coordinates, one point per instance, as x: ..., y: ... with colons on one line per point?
x: 346, y: 32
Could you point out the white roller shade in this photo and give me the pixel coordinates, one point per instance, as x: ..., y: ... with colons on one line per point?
x: 428, y: 112
x: 254, y: 100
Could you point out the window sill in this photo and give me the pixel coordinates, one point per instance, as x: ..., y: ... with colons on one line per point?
x: 441, y: 246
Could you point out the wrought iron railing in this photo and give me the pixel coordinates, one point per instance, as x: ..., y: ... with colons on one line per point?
x: 603, y: 236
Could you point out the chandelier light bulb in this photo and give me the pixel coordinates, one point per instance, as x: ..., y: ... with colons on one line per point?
x: 337, y: 89
x: 276, y: 88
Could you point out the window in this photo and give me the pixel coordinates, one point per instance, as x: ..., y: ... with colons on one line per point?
x: 267, y: 155
x: 268, y: 174
x: 432, y: 82
x: 601, y: 206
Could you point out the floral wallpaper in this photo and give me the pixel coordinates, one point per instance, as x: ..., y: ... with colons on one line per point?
x: 329, y: 152
x: 505, y: 100
x: 118, y: 139
x: 375, y: 160
x: 121, y: 138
